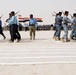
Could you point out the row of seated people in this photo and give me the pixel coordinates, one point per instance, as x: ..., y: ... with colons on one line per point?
x: 39, y: 27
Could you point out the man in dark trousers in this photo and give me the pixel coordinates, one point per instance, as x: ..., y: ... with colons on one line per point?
x: 14, y: 28
x: 17, y: 34
x: 1, y: 30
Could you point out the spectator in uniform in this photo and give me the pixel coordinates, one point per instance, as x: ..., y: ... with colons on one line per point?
x: 32, y: 28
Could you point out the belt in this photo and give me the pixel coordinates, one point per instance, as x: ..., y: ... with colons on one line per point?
x: 59, y: 24
x: 13, y: 24
x: 32, y: 25
x: 65, y: 23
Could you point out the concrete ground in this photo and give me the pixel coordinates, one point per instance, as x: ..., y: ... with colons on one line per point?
x: 42, y: 56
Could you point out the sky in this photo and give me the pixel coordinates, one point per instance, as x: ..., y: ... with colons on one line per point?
x: 39, y: 8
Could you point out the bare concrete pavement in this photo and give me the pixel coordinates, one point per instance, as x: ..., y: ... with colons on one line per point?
x: 42, y: 56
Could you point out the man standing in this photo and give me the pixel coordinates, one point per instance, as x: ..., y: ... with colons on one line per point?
x: 66, y: 20
x: 13, y: 27
x: 1, y: 30
x: 32, y: 23
x: 54, y: 37
x: 73, y: 26
x: 7, y: 21
x: 58, y: 26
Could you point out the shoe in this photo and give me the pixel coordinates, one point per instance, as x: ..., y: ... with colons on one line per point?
x: 54, y: 37
x: 62, y: 40
x: 18, y: 40
x: 11, y: 41
x: 30, y: 38
x: 33, y: 38
x: 4, y: 38
x: 57, y: 39
x: 67, y: 40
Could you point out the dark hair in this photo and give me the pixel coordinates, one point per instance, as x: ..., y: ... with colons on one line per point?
x: 57, y: 14
x: 74, y: 14
x: 60, y: 12
x: 31, y: 14
x: 13, y: 13
x: 9, y: 13
x: 66, y: 12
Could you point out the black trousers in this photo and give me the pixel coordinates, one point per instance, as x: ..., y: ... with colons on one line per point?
x: 18, y: 36
x: 1, y: 32
x: 11, y: 31
x: 14, y: 32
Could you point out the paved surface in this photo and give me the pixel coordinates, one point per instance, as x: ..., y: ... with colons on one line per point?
x: 38, y: 69
x: 40, y: 51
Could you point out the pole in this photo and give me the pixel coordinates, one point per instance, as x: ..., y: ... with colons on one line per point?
x: 17, y: 12
x: 1, y: 16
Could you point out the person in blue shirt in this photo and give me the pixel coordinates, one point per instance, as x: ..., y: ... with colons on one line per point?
x: 66, y: 21
x: 9, y: 25
x: 1, y: 30
x: 32, y: 26
x: 14, y: 27
x: 73, y: 23
x: 54, y: 37
x: 58, y: 26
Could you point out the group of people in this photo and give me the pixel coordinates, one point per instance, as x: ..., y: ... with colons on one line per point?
x: 64, y: 22
x: 59, y: 23
x: 44, y: 27
x: 13, y: 22
x: 13, y: 27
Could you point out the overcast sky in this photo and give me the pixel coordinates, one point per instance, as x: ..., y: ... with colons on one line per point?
x: 40, y: 8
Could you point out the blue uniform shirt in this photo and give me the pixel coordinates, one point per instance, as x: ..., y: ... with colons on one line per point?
x: 55, y: 20
x: 73, y: 21
x: 32, y: 21
x: 59, y: 20
x: 12, y: 20
x: 66, y: 20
